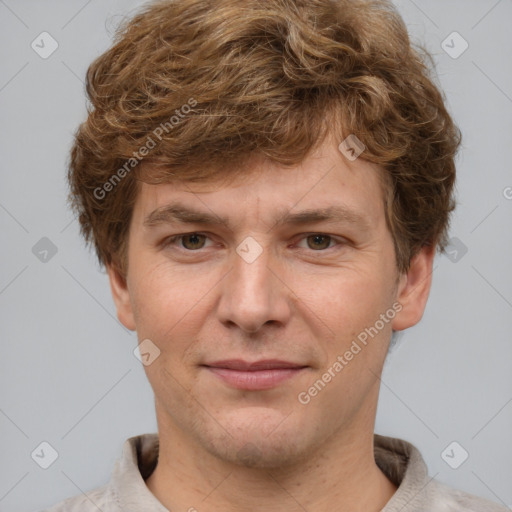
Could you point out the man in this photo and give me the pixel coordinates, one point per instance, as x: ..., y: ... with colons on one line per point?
x: 267, y: 184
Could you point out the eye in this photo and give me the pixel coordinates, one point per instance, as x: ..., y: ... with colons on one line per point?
x: 189, y: 241
x: 196, y: 241
x: 319, y: 241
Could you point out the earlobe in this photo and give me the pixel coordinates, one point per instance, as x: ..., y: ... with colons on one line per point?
x: 414, y: 289
x: 121, y: 296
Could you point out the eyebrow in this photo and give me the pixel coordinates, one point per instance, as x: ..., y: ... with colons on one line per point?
x: 178, y: 213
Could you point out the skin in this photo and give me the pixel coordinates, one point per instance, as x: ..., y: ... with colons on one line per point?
x: 302, y: 300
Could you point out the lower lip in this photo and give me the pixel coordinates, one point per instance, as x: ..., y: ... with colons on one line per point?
x: 257, y: 379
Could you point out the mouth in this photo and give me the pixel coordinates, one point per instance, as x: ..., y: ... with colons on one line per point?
x: 254, y: 376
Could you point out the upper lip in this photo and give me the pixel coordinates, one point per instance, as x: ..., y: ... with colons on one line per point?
x: 264, y: 364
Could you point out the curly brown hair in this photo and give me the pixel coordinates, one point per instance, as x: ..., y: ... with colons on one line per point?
x: 197, y: 87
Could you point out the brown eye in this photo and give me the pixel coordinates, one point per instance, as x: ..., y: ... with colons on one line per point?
x: 318, y: 242
x: 193, y: 241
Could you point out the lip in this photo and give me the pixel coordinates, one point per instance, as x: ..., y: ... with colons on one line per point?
x: 257, y: 375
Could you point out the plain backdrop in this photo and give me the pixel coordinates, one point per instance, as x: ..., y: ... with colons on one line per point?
x: 68, y: 375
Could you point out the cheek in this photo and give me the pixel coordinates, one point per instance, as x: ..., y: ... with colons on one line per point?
x: 170, y: 306
x: 356, y: 354
x: 346, y: 300
x: 163, y: 295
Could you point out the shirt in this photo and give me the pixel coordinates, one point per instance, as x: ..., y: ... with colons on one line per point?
x: 399, y: 460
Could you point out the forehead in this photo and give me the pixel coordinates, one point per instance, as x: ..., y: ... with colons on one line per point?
x: 266, y: 190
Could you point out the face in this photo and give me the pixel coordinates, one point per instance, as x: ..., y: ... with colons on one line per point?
x: 271, y: 301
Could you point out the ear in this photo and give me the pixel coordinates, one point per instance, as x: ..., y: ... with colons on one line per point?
x: 414, y: 288
x: 121, y: 296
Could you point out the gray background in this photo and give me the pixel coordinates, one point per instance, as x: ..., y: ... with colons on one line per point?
x: 68, y: 375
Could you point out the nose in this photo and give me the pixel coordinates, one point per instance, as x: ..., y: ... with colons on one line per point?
x: 253, y: 295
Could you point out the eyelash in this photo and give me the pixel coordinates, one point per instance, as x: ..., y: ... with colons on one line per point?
x: 172, y: 240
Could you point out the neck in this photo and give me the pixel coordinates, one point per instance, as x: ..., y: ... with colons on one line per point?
x: 341, y: 476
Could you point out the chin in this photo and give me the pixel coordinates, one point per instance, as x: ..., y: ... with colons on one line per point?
x: 258, y: 439
x: 256, y: 453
